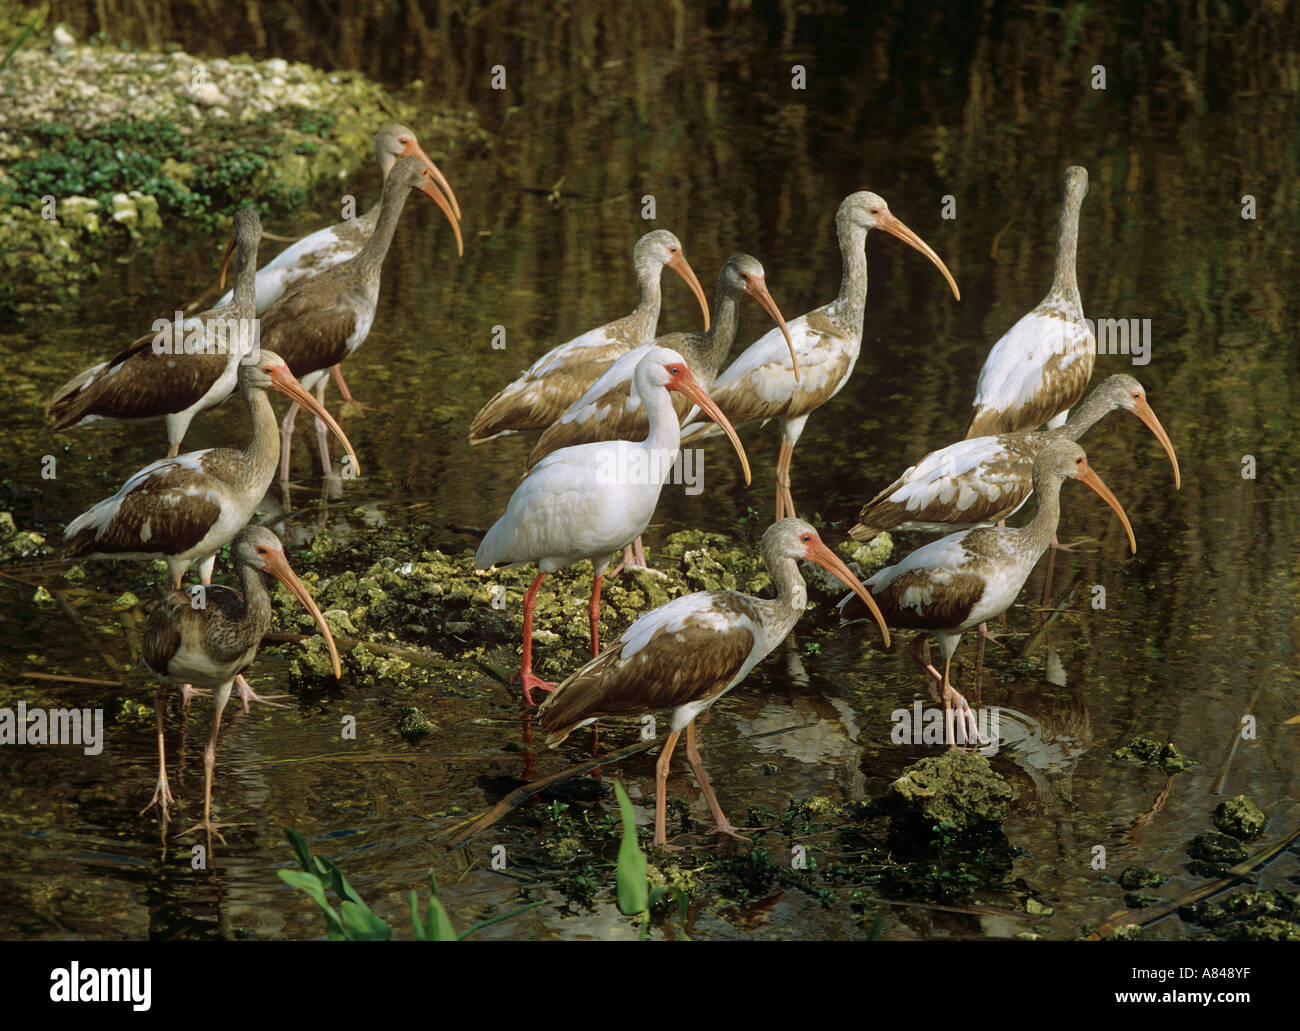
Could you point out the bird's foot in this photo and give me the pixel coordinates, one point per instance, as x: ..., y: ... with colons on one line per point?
x: 247, y: 696
x: 351, y: 406
x: 959, y: 719
x: 725, y: 830
x: 189, y: 692
x: 1078, y: 546
x: 992, y: 635
x: 162, y: 798
x: 528, y: 681
x: 212, y: 829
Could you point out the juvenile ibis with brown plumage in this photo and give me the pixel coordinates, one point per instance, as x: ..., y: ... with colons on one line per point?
x: 320, y: 321
x: 960, y: 581
x: 982, y: 480
x: 560, y: 376
x: 208, y: 635
x: 185, y: 509
x: 1040, y: 367
x: 760, y: 385
x: 589, y: 500
x: 162, y: 377
x: 687, y: 654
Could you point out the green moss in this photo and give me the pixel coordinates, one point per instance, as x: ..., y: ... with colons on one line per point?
x: 1134, y: 877
x: 1213, y: 847
x: 1241, y: 818
x: 959, y: 791
x: 1146, y: 752
x: 415, y: 725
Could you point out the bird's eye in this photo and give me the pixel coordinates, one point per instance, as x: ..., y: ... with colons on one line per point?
x: 875, y: 211
x: 1137, y: 394
x: 675, y: 371
x: 1079, y: 460
x: 261, y: 550
x: 807, y: 537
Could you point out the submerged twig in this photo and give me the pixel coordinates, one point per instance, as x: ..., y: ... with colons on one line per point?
x: 72, y: 680
x: 1232, y: 745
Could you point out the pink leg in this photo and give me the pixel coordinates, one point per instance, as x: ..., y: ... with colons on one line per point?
x: 162, y: 793
x: 209, y: 768
x: 525, y: 675
x: 286, y: 440
x: 593, y: 614
x: 661, y: 789
x: 724, y: 826
x: 784, y: 500
x: 346, y: 394
x: 322, y: 432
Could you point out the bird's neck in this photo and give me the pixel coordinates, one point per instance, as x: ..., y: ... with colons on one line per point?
x: 256, y: 619
x: 646, y: 312
x: 706, y: 352
x: 371, y: 257
x: 1086, y: 414
x: 245, y: 296
x: 260, y: 457
x: 665, y: 436
x: 1037, y: 533
x: 791, y: 594
x: 851, y: 302
x: 1065, y: 281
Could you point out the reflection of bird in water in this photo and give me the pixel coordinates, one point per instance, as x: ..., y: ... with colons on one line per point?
x: 1045, y: 732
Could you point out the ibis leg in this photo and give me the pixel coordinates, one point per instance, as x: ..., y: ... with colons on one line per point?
x: 344, y: 392
x: 593, y: 614
x: 322, y: 431
x: 723, y: 825
x: 162, y: 793
x: 525, y: 675
x: 784, y: 500
x: 286, y: 440
x: 955, y: 704
x: 661, y: 788
x: 209, y: 766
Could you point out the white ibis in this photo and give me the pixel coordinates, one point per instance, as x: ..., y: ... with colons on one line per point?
x: 960, y: 581
x: 612, y: 409
x: 559, y: 377
x: 1041, y: 366
x: 759, y: 385
x: 687, y: 654
x: 185, y: 509
x: 986, y: 479
x: 172, y: 378
x: 208, y: 635
x: 586, y: 501
x: 336, y: 244
x: 320, y: 321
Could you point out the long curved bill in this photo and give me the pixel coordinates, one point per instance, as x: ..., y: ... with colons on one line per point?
x: 284, y: 381
x: 1144, y: 412
x: 682, y: 267
x: 438, y: 177
x: 831, y: 562
x: 225, y: 261
x: 1086, y: 475
x: 757, y: 289
x: 278, y: 566
x: 890, y: 224
x: 690, y: 386
x: 429, y: 187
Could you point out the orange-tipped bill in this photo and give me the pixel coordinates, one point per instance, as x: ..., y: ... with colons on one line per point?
x: 1144, y: 412
x: 284, y: 381
x: 225, y: 262
x: 828, y: 560
x: 682, y: 267
x: 690, y: 386
x: 438, y: 177
x: 1086, y: 475
x: 894, y: 227
x: 429, y: 187
x: 757, y: 289
x: 278, y: 566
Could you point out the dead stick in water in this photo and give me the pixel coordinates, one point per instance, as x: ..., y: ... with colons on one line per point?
x: 522, y: 794
x: 72, y: 680
x: 1232, y: 745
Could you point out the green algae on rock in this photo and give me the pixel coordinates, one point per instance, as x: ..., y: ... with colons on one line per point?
x: 415, y: 725
x: 1134, y: 877
x: 1241, y: 818
x: 1146, y: 752
x: 1213, y: 847
x: 956, y: 790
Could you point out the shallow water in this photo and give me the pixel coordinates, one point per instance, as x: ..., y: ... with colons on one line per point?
x: 1199, y: 623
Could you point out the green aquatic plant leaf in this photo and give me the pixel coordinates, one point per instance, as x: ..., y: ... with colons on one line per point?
x: 633, y: 888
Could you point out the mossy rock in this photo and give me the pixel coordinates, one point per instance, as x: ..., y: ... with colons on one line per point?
x: 957, y: 790
x: 1134, y: 877
x: 1241, y: 818
x: 1146, y: 752
x: 1213, y: 847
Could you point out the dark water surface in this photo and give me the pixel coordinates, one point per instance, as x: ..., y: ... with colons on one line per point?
x: 701, y: 115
